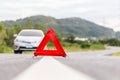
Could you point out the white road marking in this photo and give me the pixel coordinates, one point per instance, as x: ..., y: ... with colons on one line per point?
x: 50, y: 69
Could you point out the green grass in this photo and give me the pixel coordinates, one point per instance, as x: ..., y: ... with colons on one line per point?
x: 97, y: 47
x: 74, y: 47
x: 68, y: 47
x: 5, y: 49
x: 116, y: 54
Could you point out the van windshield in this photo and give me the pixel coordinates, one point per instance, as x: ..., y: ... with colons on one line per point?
x: 31, y: 33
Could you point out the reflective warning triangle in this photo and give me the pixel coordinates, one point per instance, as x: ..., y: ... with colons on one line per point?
x: 50, y: 35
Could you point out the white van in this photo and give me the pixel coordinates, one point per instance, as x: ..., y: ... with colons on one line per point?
x: 27, y: 39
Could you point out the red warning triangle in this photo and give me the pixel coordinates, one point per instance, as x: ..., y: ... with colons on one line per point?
x: 50, y: 35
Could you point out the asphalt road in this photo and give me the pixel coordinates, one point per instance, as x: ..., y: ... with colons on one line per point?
x: 99, y: 65
x: 12, y: 65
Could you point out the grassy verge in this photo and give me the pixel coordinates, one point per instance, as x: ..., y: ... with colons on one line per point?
x: 97, y: 47
x: 5, y: 49
x: 74, y: 47
x: 116, y: 54
x: 68, y: 47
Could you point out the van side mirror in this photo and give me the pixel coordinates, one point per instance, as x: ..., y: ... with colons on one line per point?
x: 15, y: 35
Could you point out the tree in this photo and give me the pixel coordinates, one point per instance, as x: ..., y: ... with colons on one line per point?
x: 40, y: 26
x: 3, y: 36
x: 10, y: 32
x: 10, y: 39
x: 28, y: 24
x: 71, y: 38
x: 17, y: 28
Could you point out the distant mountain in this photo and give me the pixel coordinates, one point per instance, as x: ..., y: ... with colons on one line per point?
x: 117, y: 34
x: 76, y: 26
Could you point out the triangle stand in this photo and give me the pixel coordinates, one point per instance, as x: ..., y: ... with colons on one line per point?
x: 50, y: 35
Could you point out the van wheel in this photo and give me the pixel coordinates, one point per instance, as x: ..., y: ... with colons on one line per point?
x: 20, y: 51
x: 15, y: 51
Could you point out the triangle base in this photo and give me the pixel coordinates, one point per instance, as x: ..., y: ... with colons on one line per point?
x: 51, y: 53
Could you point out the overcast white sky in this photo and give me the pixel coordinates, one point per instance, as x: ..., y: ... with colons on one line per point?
x: 103, y: 12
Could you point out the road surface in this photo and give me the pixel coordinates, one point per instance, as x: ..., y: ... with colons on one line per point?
x: 96, y: 65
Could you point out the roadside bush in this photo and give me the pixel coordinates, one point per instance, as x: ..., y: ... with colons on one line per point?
x: 111, y: 42
x: 85, y: 45
x: 70, y: 39
x: 79, y: 42
x: 95, y: 42
x: 5, y: 49
x: 97, y: 46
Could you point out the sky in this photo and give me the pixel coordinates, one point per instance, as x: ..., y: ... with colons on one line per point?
x: 102, y: 12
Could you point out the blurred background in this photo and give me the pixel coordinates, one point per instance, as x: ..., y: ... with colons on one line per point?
x: 79, y: 25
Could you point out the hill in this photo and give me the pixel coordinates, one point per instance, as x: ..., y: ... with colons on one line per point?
x: 117, y: 34
x: 76, y: 26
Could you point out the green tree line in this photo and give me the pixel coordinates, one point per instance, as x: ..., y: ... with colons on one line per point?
x: 6, y: 34
x: 7, y: 38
